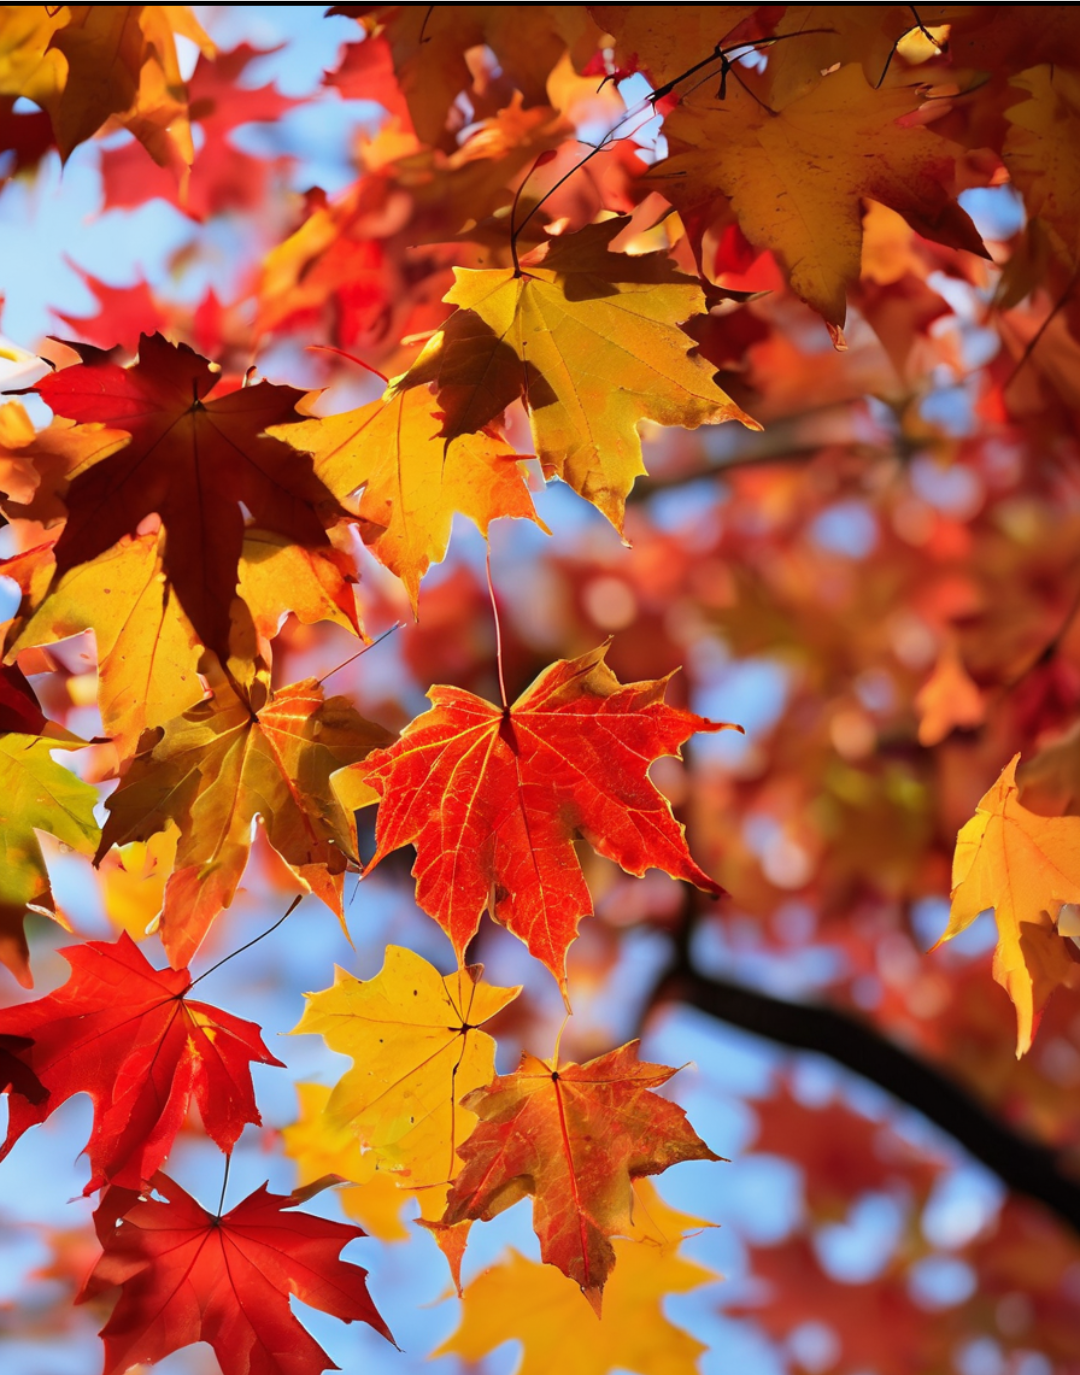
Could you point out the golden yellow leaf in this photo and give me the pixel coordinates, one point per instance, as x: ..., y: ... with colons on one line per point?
x: 1040, y: 151
x: 148, y: 653
x: 521, y: 1300
x: 214, y: 769
x: 1024, y: 866
x: 133, y: 882
x: 590, y: 340
x: 796, y: 178
x: 416, y: 1041
x: 320, y: 1147
x: 413, y: 482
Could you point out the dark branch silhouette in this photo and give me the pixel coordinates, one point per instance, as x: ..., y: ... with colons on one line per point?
x: 1022, y: 1164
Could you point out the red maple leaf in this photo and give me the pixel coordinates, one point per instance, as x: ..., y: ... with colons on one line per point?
x: 196, y: 463
x: 575, y: 1137
x: 493, y: 798
x: 19, y: 710
x: 224, y: 177
x: 124, y: 1032
x: 188, y: 1276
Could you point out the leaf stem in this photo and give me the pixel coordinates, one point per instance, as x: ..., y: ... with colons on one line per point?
x: 353, y: 657
x: 224, y: 1184
x: 269, y: 931
x: 498, y: 634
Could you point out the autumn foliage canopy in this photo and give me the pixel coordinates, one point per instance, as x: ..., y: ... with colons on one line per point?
x: 748, y: 338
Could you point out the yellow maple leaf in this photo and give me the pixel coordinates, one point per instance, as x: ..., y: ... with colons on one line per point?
x: 88, y: 64
x: 1024, y: 866
x: 796, y: 177
x: 522, y: 1300
x: 413, y: 481
x: 590, y: 340
x: 1040, y: 151
x: 148, y: 653
x: 320, y: 1147
x: 417, y: 1045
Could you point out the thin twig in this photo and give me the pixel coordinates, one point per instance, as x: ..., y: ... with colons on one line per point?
x: 353, y: 657
x: 269, y: 931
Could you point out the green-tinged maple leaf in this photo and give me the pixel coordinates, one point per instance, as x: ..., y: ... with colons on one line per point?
x: 590, y: 341
x: 36, y: 793
x: 218, y: 766
x: 1024, y: 866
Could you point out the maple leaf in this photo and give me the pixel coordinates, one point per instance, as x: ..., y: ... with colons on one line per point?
x: 36, y: 793
x: 417, y: 1047
x: 19, y: 710
x: 493, y: 798
x: 243, y: 753
x: 948, y: 699
x: 575, y: 1137
x: 188, y: 1276
x: 148, y: 653
x: 126, y: 1034
x: 178, y: 443
x: 1039, y: 148
x: 224, y: 177
x: 668, y: 43
x: 590, y: 340
x: 429, y: 48
x: 1022, y: 865
x: 372, y: 1195
x: 796, y: 177
x: 413, y: 482
x: 517, y: 1299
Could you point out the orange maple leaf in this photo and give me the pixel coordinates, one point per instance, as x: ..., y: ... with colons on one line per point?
x: 575, y: 1137
x: 493, y: 798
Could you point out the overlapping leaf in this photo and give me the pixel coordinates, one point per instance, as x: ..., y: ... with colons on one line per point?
x: 418, y: 1048
x: 796, y: 177
x: 180, y: 444
x: 187, y: 1276
x: 36, y: 793
x: 126, y: 1034
x: 492, y: 799
x: 86, y: 63
x: 574, y: 1137
x: 590, y: 340
x: 517, y: 1299
x: 369, y: 1194
x: 412, y: 481
x: 214, y: 769
x: 1024, y: 866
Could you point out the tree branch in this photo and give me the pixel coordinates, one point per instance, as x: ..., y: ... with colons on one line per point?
x: 1020, y: 1163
